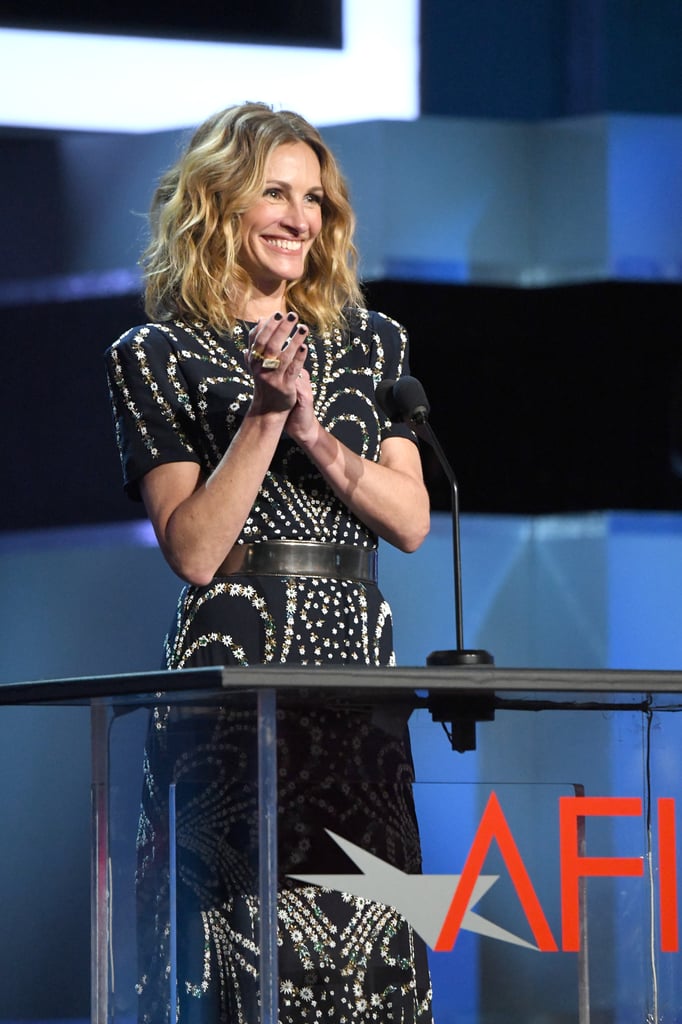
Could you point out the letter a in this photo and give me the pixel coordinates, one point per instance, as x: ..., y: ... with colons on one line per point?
x: 494, y: 825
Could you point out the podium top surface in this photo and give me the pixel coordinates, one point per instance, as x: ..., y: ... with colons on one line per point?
x: 374, y: 683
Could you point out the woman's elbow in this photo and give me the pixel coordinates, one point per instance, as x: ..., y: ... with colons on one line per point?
x: 197, y: 578
x: 414, y: 533
x: 195, y: 571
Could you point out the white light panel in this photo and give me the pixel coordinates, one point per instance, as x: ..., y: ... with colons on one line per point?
x: 123, y: 84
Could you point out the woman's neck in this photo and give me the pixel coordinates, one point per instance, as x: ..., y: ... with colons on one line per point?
x: 257, y: 307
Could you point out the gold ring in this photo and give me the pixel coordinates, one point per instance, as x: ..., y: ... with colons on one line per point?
x: 271, y: 363
x: 255, y: 354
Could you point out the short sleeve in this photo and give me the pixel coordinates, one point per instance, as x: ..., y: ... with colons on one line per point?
x: 153, y: 416
x: 392, y: 361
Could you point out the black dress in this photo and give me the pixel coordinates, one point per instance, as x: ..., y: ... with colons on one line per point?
x: 179, y: 392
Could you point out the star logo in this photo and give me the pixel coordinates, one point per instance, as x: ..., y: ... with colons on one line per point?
x: 423, y: 900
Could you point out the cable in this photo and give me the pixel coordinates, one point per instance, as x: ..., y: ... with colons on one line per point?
x: 652, y: 1017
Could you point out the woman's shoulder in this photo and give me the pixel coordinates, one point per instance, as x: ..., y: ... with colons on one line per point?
x: 175, y: 340
x: 154, y: 335
x: 374, y: 322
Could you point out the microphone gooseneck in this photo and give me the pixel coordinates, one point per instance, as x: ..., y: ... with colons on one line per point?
x: 404, y: 400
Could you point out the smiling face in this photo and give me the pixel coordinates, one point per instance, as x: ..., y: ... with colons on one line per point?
x: 279, y: 229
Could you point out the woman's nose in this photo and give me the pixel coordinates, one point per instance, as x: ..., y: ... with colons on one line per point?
x: 295, y: 216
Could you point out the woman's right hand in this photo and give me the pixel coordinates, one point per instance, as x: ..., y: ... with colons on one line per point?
x: 275, y: 355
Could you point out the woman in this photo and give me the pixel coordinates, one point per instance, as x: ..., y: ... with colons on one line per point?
x: 246, y: 422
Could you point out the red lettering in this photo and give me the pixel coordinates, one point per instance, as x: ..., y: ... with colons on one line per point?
x: 574, y: 866
x: 494, y: 825
x: 667, y: 875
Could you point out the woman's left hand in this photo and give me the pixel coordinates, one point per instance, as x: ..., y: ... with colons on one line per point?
x: 302, y: 422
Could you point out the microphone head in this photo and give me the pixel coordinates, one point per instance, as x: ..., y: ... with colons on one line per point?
x: 386, y: 400
x: 410, y: 399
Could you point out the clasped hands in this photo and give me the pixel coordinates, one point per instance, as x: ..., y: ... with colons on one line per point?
x: 276, y: 356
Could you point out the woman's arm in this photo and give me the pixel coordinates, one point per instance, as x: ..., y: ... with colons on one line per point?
x: 388, y: 496
x: 196, y: 519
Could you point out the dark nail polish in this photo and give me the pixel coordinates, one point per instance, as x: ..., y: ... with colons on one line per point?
x: 301, y: 329
x: 277, y: 316
x: 291, y: 317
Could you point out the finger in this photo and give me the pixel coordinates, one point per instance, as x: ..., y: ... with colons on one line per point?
x: 262, y: 331
x: 299, y: 351
x: 299, y: 338
x: 288, y: 360
x: 252, y: 341
x: 303, y: 385
x: 280, y: 328
x: 291, y: 330
x: 271, y: 338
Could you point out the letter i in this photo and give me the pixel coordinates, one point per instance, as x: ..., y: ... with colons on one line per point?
x: 667, y: 875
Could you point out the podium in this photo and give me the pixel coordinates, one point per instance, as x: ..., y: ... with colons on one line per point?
x: 549, y: 883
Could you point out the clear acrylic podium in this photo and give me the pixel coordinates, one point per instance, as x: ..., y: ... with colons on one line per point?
x: 549, y: 886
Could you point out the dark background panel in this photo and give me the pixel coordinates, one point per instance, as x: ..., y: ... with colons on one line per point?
x: 63, y: 467
x: 270, y: 22
x: 545, y: 400
x: 34, y: 224
x: 550, y: 400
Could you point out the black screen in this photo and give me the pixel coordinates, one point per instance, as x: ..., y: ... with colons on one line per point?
x: 268, y: 22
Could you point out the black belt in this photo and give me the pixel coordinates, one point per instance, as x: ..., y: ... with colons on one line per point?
x: 301, y: 558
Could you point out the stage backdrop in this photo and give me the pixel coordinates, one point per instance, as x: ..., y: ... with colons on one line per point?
x: 587, y: 591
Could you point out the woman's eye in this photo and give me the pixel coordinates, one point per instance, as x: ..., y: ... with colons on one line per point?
x: 313, y: 197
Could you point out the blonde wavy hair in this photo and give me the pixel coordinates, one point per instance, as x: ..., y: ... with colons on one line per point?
x: 191, y: 265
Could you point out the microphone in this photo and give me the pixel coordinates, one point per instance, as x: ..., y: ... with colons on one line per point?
x: 405, y: 400
x: 385, y: 398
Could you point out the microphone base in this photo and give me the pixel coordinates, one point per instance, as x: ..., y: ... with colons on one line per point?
x: 462, y: 711
x: 461, y: 659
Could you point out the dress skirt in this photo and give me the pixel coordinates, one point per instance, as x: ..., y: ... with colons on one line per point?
x: 343, y: 767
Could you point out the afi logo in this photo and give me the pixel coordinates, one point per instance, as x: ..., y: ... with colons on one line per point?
x: 439, y: 906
